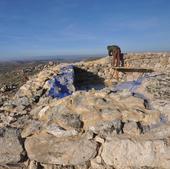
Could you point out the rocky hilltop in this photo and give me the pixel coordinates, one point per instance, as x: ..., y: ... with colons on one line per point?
x: 104, y: 122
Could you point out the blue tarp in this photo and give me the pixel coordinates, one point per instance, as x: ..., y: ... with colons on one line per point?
x: 63, y: 84
x: 132, y: 85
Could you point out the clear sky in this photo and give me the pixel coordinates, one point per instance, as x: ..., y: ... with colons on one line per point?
x: 62, y: 27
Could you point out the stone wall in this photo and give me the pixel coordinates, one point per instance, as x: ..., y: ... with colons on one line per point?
x: 157, y: 61
x: 102, y: 68
x: 90, y: 129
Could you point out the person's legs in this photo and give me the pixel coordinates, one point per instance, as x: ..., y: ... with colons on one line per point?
x: 114, y: 58
x: 117, y: 57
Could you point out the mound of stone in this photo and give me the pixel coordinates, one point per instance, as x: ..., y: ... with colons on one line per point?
x: 95, y: 125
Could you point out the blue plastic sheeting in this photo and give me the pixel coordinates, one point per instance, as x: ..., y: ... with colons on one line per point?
x: 132, y: 85
x: 63, y: 84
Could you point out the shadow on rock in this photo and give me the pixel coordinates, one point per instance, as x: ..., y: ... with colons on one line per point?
x: 85, y: 80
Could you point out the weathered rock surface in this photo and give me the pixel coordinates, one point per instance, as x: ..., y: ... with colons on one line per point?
x: 126, y: 152
x: 97, y: 111
x: 46, y: 148
x: 11, y: 150
x: 158, y: 61
x: 95, y: 127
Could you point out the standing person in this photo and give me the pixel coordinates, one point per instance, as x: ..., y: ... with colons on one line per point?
x: 115, y: 52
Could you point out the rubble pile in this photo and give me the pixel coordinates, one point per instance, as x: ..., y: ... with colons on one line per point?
x: 96, y: 127
x: 158, y: 61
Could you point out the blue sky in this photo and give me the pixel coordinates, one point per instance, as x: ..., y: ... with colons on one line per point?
x: 72, y: 27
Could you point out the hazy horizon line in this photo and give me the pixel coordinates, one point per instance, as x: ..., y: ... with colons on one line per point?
x: 70, y: 56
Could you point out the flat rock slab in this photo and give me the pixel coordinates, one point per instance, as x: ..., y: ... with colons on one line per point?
x: 10, y: 147
x: 123, y: 152
x: 52, y: 150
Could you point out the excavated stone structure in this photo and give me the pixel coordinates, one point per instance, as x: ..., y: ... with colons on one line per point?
x: 94, y: 128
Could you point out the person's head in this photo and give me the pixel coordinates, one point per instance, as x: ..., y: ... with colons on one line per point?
x: 112, y: 49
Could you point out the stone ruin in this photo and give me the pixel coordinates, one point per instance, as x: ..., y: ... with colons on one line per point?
x: 95, y: 127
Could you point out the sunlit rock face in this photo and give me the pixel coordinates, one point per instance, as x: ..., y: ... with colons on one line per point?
x: 95, y: 126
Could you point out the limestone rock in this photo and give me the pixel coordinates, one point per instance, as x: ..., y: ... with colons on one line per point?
x: 131, y: 128
x: 58, y: 131
x: 123, y: 152
x: 33, y: 165
x: 31, y: 128
x: 11, y: 149
x: 161, y: 131
x: 46, y: 148
x: 93, y: 128
x: 21, y: 103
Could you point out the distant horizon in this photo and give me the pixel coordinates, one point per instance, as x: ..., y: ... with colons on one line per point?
x: 42, y: 57
x: 69, y: 57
